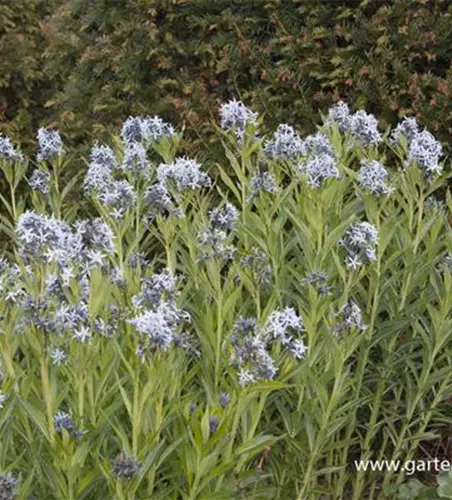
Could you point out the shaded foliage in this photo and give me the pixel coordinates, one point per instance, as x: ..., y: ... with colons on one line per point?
x: 83, y: 66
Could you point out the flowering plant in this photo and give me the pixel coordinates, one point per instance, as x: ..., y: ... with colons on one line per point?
x: 188, y: 331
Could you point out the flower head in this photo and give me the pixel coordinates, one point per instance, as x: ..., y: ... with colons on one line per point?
x: 95, y: 234
x: 160, y: 201
x: 157, y: 318
x: 319, y: 281
x: 263, y: 182
x: 185, y: 173
x: 285, y: 144
x: 58, y: 356
x: 103, y: 156
x: 318, y: 144
x: 63, y: 420
x: 7, y: 150
x: 148, y: 129
x: 135, y: 158
x: 364, y: 127
x: 407, y: 128
x: 39, y: 181
x: 215, y: 243
x: 350, y: 318
x: 125, y: 466
x: 236, y: 116
x: 83, y: 334
x: 50, y: 144
x: 159, y: 287
x: 120, y: 195
x: 426, y: 151
x: 131, y: 129
x: 225, y: 399
x: 282, y: 322
x: 213, y: 424
x: 224, y: 218
x: 8, y: 486
x: 319, y: 169
x: 251, y: 344
x: 340, y: 114
x: 39, y: 233
x: 360, y: 241
x: 373, y: 177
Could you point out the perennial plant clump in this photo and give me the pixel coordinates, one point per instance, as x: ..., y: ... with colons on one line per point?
x: 241, y: 329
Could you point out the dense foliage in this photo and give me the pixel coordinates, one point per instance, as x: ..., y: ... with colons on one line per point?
x: 186, y: 333
x: 82, y: 66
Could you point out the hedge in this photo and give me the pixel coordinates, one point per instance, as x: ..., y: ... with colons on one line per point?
x: 82, y: 66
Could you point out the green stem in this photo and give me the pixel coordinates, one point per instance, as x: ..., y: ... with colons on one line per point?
x: 319, y: 440
x: 370, y: 434
x: 13, y: 203
x: 136, y: 418
x: 423, y: 427
x: 218, y: 337
x: 407, y: 284
x: 406, y: 425
x: 56, y: 174
x: 47, y: 395
x: 362, y: 364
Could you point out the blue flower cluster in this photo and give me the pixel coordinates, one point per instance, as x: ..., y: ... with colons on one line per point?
x: 53, y: 240
x: 257, y: 263
x: 251, y: 345
x: 63, y: 421
x: 319, y: 281
x: 318, y: 145
x: 160, y: 202
x: 423, y: 149
x: 8, y: 485
x: 360, y: 241
x: 349, y: 319
x: 135, y: 159
x: 50, y: 144
x: 361, y: 125
x: 236, y: 117
x: 339, y: 114
x: 373, y: 177
x: 319, y: 169
x: 146, y: 129
x: 224, y: 218
x: 102, y: 185
x: 70, y: 254
x: 119, y: 195
x: 249, y: 353
x: 157, y: 318
x: 214, y: 240
x: 286, y: 144
x: 281, y: 324
x: 315, y: 155
x: 7, y: 150
x: 364, y: 127
x: 263, y: 182
x: 39, y: 181
x: 185, y: 173
x: 125, y: 466
x: 426, y: 151
x: 407, y: 128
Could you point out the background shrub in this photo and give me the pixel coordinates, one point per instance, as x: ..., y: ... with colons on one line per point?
x: 83, y: 66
